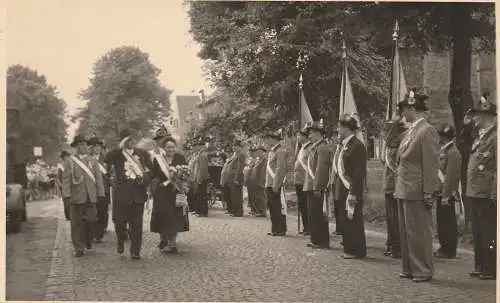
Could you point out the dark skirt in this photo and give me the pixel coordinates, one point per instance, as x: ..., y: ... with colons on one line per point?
x: 166, y: 217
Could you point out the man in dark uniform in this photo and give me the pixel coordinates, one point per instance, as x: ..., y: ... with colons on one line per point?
x: 482, y: 191
x: 275, y: 178
x: 133, y: 175
x: 235, y: 179
x: 318, y: 165
x: 394, y: 133
x: 202, y: 177
x: 349, y: 186
x: 96, y: 146
x: 299, y: 175
x: 450, y: 168
x: 258, y: 179
x: 247, y: 179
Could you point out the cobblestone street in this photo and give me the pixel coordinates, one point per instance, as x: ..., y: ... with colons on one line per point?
x: 232, y: 259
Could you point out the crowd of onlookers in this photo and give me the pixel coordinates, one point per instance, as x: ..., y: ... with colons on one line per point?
x: 43, y: 181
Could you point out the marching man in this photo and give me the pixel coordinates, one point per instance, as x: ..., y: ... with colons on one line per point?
x: 275, y: 177
x: 82, y: 184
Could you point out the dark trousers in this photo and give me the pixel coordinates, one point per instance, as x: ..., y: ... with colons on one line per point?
x: 278, y: 220
x: 226, y: 197
x: 83, y: 221
x: 133, y: 214
x: 201, y: 198
x: 251, y: 198
x: 102, y: 217
x: 320, y: 234
x: 484, y: 231
x: 303, y: 209
x: 67, y: 208
x: 392, y: 214
x: 353, y: 236
x: 447, y: 228
x: 340, y: 213
x: 191, y: 199
x: 260, y: 200
x: 236, y: 198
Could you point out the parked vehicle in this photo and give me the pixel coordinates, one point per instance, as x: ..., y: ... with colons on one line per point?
x: 16, y: 178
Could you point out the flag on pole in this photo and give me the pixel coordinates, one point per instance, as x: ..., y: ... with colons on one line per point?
x: 398, y: 85
x: 305, y: 113
x: 347, y: 102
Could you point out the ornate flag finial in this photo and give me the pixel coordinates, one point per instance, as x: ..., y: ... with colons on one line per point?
x: 344, y: 54
x: 300, y: 81
x: 395, y: 34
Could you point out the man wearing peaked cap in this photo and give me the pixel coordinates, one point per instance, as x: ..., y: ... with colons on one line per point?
x: 299, y: 175
x: 235, y: 166
x: 274, y: 182
x: 97, y: 151
x: 132, y: 171
x: 315, y: 186
x: 450, y: 168
x: 481, y: 190
x: 82, y: 186
x: 416, y: 184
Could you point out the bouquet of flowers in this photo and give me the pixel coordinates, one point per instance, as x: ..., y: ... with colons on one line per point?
x: 181, y: 178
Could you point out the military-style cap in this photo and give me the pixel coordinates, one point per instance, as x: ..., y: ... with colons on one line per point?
x: 447, y: 131
x: 95, y: 141
x: 417, y: 101
x: 77, y: 140
x: 485, y: 106
x: 161, y: 133
x: 349, y: 121
x: 64, y: 153
x: 278, y: 134
x: 317, y: 126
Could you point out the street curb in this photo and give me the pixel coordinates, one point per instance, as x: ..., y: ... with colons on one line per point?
x: 377, y: 234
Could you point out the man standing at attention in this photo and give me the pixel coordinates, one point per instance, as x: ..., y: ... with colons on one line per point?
x: 235, y: 179
x: 275, y: 177
x: 82, y: 184
x: 300, y: 171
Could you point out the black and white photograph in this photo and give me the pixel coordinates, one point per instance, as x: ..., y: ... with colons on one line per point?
x: 250, y: 151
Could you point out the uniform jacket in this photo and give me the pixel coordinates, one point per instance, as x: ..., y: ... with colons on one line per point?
x: 103, y: 169
x: 276, y: 162
x: 482, y: 169
x: 351, y: 169
x: 127, y: 191
x: 417, y: 162
x: 450, y: 165
x: 335, y: 155
x: 299, y: 173
x: 389, y: 170
x: 224, y: 173
x: 258, y: 171
x: 319, y: 163
x: 78, y: 185
x: 247, y: 170
x: 201, y: 168
x: 235, y: 168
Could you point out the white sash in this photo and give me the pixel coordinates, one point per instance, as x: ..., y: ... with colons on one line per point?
x: 441, y: 176
x: 269, y: 169
x: 84, y: 167
x: 301, y: 157
x: 137, y: 167
x: 387, y: 162
x: 284, y: 206
x: 342, y: 169
x: 163, y: 166
x: 102, y: 168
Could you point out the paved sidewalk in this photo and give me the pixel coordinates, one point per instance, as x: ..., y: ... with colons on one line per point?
x: 232, y: 259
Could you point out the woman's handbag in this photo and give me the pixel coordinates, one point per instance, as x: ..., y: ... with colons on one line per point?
x: 181, y: 200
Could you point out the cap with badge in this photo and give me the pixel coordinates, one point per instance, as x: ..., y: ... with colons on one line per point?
x: 161, y: 133
x: 414, y: 100
x: 94, y: 141
x: 77, y: 140
x: 485, y: 106
x: 305, y: 130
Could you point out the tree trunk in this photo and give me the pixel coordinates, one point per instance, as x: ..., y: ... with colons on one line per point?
x: 460, y: 97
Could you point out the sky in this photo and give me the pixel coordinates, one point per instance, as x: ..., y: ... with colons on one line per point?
x: 63, y: 38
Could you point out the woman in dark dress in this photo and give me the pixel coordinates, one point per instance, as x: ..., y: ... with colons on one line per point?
x: 167, y: 219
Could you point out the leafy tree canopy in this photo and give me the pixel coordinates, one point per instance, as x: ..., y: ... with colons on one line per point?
x: 42, y: 112
x: 124, y: 92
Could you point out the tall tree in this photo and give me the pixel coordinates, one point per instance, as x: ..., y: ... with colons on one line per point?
x: 124, y: 92
x: 42, y: 112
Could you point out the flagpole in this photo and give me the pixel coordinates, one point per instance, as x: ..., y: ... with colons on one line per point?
x: 300, y: 67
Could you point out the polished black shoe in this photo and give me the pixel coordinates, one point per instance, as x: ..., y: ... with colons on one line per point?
x: 135, y: 257
x: 387, y: 252
x: 173, y: 251
x: 162, y: 244
x: 405, y: 276
x: 120, y: 248
x: 395, y: 255
x: 98, y: 240
x: 487, y: 277
x: 79, y: 254
x: 421, y: 279
x: 88, y: 246
x: 475, y: 274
